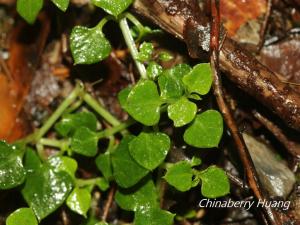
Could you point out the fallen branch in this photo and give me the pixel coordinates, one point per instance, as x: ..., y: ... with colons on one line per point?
x: 185, y: 20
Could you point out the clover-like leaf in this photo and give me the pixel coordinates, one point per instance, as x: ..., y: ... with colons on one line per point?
x: 182, y: 112
x: 153, y: 216
x: 32, y: 162
x: 45, y: 190
x: 150, y: 149
x: 70, y: 122
x: 165, y: 56
x: 114, y: 7
x: 89, y: 45
x: 103, y: 163
x: 206, y: 130
x: 64, y: 163
x: 145, y: 53
x: 138, y: 197
x: 143, y: 103
x: 84, y: 142
x: 180, y: 176
x: 11, y: 167
x: 79, y: 201
x: 61, y: 4
x: 22, y: 216
x: 29, y: 9
x: 199, y: 80
x: 215, y: 182
x: 127, y: 172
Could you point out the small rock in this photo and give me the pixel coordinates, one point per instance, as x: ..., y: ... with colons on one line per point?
x: 275, y: 176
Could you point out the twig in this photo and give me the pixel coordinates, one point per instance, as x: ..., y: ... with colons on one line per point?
x: 109, y: 201
x: 248, y: 165
x: 265, y: 25
x: 292, y: 147
x: 237, y: 181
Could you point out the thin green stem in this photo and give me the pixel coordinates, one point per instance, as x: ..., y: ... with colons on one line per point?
x: 135, y: 21
x: 111, y: 131
x: 104, y: 21
x: 58, y: 112
x: 92, y: 102
x: 131, y: 46
x: 86, y: 182
x: 61, y: 144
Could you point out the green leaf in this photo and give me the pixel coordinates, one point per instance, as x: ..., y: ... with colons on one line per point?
x: 84, y: 142
x: 89, y: 45
x: 114, y: 7
x: 29, y: 9
x: 199, y: 80
x: 103, y: 163
x: 150, y: 149
x: 123, y: 95
x: 153, y: 216
x: 182, y: 112
x: 61, y: 4
x: 138, y: 197
x: 45, y: 190
x: 195, y: 161
x: 70, y: 122
x: 154, y: 70
x: 32, y: 161
x: 127, y: 172
x: 215, y: 182
x: 79, y: 201
x: 206, y: 130
x: 102, y: 184
x: 180, y: 176
x: 145, y: 53
x: 64, y: 163
x: 165, y: 56
x: 22, y: 216
x: 143, y: 103
x: 11, y: 167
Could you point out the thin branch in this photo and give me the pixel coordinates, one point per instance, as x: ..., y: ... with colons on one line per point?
x: 248, y: 165
x: 108, y: 202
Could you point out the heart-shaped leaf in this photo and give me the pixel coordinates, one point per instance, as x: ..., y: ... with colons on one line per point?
x: 11, y: 167
x: 79, y: 201
x: 29, y: 9
x: 70, y: 122
x: 22, y: 216
x: 206, y: 130
x: 64, y: 163
x: 89, y: 45
x: 143, y: 103
x: 150, y: 149
x: 61, y: 4
x: 45, y: 190
x: 145, y: 53
x: 127, y: 172
x: 84, y: 142
x: 153, y: 216
x: 138, y: 197
x: 103, y: 163
x: 199, y: 80
x: 215, y: 182
x: 182, y: 112
x: 170, y: 81
x: 114, y: 7
x: 180, y: 176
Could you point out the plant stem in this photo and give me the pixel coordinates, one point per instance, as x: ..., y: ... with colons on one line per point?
x: 92, y: 102
x: 61, y: 144
x: 86, y: 182
x: 58, y: 112
x: 111, y: 131
x: 131, y: 46
x: 104, y: 21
